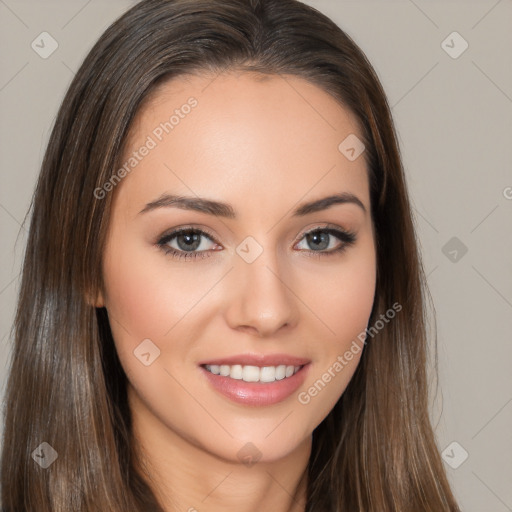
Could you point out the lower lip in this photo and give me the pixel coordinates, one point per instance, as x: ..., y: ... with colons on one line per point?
x: 257, y: 393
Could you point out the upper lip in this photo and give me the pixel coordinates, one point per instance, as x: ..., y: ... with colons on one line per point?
x: 258, y: 360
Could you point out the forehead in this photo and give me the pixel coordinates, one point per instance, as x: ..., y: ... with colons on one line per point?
x: 241, y: 135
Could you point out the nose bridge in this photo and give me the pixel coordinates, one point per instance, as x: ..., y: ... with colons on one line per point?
x: 263, y: 299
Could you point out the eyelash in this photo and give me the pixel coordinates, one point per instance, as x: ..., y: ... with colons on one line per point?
x: 347, y: 237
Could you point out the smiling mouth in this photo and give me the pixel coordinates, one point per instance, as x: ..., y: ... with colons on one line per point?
x: 249, y: 373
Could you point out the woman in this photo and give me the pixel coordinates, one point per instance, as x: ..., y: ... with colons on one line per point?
x: 222, y: 304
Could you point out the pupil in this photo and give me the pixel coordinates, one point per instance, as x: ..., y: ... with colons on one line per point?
x: 319, y: 238
x: 193, y: 238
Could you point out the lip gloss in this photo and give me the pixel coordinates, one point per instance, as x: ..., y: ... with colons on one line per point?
x: 256, y: 393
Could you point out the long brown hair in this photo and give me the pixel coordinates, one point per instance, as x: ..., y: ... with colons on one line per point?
x: 376, y: 450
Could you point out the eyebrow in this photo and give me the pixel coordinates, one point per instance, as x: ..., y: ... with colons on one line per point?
x: 225, y: 210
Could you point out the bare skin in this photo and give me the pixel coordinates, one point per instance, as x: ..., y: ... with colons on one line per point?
x: 265, y: 147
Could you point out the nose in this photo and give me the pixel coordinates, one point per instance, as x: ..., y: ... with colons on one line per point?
x: 262, y: 301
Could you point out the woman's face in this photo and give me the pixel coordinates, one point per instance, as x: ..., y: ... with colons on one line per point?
x: 253, y: 286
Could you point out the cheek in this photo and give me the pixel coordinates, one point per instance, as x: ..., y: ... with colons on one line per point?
x: 343, y: 298
x: 343, y: 303
x: 146, y: 294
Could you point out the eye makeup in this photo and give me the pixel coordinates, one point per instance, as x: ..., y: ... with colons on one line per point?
x: 192, y: 236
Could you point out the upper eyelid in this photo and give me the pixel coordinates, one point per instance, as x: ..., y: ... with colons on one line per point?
x: 176, y: 231
x: 328, y: 225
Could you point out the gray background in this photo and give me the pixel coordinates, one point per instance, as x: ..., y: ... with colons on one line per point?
x: 454, y: 119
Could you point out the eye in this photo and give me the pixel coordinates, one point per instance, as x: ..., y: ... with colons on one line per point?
x: 186, y: 243
x: 323, y: 241
x: 191, y: 243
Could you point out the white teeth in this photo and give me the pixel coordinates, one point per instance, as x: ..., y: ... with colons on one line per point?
x: 224, y: 370
x: 235, y: 371
x: 268, y: 374
x: 281, y: 372
x: 250, y: 373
